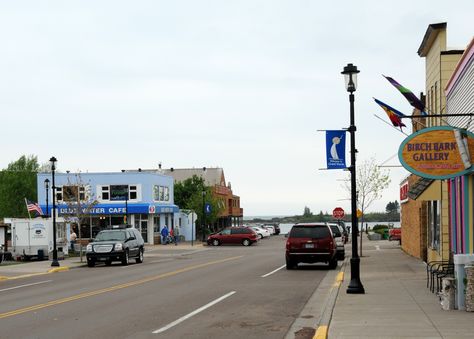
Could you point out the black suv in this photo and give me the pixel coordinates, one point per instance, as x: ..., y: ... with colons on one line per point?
x: 116, y: 245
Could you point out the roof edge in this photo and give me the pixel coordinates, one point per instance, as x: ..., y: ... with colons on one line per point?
x: 430, y: 34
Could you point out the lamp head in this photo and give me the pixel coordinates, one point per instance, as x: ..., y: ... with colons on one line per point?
x: 350, y: 76
x: 46, y: 184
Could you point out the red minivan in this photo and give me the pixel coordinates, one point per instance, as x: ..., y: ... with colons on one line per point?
x: 310, y: 243
x: 233, y: 235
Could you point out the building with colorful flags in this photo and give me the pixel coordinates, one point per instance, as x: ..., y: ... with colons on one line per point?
x: 425, y: 210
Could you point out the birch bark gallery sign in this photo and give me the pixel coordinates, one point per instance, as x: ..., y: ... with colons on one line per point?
x: 438, y: 152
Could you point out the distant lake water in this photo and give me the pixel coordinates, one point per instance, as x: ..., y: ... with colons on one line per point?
x: 285, y: 228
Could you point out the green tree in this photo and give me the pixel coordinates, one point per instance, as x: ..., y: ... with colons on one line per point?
x: 188, y: 194
x: 393, y: 210
x: 17, y: 182
x: 307, y: 212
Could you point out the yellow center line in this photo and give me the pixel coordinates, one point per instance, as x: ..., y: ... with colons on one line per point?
x: 112, y: 288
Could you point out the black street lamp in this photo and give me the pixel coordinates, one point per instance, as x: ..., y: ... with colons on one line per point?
x: 55, y: 262
x: 126, y: 206
x: 355, y: 285
x: 46, y: 187
x: 203, y: 215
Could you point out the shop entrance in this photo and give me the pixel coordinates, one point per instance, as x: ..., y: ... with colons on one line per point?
x: 141, y: 223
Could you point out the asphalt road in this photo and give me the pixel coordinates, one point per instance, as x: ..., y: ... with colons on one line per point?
x: 226, y: 291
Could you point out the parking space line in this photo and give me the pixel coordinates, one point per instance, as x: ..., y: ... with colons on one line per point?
x: 26, y: 285
x: 193, y: 313
x: 266, y: 275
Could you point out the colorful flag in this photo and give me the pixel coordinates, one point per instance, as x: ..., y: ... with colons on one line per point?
x: 33, y: 207
x: 394, y: 115
x: 412, y: 98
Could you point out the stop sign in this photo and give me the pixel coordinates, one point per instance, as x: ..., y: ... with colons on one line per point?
x: 338, y: 213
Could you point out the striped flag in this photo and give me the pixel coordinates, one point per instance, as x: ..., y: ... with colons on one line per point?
x: 33, y: 207
x: 394, y: 115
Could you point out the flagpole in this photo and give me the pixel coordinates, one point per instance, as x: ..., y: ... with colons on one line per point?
x: 26, y: 203
x: 390, y: 125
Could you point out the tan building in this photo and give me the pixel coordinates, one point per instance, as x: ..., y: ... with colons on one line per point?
x: 232, y: 214
x: 425, y: 216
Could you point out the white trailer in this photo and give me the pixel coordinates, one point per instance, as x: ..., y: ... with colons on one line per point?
x: 34, y: 238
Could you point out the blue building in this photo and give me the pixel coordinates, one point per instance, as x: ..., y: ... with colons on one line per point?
x: 142, y: 199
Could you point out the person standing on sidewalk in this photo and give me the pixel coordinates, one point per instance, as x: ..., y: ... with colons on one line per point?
x: 176, y: 236
x: 73, y: 238
x: 164, y: 235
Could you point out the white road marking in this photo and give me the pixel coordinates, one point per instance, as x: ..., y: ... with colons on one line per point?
x: 279, y: 268
x: 193, y: 313
x: 377, y: 247
x: 20, y: 286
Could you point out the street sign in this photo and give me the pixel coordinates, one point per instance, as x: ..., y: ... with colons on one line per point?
x: 338, y: 213
x: 207, y: 208
x: 359, y: 213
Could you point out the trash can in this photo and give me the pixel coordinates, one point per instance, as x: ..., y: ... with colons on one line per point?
x: 385, y: 234
x: 447, y: 293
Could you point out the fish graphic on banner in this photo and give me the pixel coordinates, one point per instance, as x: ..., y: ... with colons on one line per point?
x: 336, y: 149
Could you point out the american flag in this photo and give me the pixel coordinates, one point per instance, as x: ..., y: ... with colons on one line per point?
x: 33, y: 207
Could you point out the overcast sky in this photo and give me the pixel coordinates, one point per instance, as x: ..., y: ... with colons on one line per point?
x: 244, y: 85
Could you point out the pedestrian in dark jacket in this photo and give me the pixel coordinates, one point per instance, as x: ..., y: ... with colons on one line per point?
x: 164, y: 235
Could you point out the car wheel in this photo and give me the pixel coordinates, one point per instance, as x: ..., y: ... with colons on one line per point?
x: 333, y: 263
x: 246, y: 242
x: 139, y: 259
x: 215, y: 242
x: 91, y: 263
x: 260, y: 236
x: 290, y: 264
x: 125, y: 258
x: 108, y: 262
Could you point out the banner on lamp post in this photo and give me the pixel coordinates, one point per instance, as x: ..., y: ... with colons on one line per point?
x: 336, y: 149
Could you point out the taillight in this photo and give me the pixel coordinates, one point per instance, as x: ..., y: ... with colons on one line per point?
x: 287, y: 244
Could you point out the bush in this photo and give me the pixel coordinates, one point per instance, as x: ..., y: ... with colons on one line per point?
x: 380, y: 229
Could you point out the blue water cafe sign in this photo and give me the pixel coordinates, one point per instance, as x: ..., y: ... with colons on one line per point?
x: 441, y: 152
x: 336, y: 149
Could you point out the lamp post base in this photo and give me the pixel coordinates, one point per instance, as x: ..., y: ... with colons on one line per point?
x: 355, y: 285
x: 55, y: 263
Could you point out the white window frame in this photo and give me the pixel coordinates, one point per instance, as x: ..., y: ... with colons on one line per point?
x: 132, y: 188
x: 161, y: 193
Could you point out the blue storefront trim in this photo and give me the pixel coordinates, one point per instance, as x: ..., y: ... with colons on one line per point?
x: 108, y: 209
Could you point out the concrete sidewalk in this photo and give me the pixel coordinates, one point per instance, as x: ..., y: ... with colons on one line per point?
x: 396, y: 303
x: 17, y: 270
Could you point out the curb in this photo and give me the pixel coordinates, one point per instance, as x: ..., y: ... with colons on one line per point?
x: 51, y: 270
x: 58, y: 269
x: 325, y: 320
x: 313, y: 321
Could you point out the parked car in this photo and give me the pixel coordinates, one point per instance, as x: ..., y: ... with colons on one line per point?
x: 338, y: 234
x: 233, y: 235
x: 310, y: 243
x: 395, y: 234
x: 270, y: 229
x: 116, y: 245
x: 261, y: 232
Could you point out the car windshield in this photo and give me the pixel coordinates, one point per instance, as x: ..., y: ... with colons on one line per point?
x: 335, y: 230
x: 309, y: 232
x: 111, y: 236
